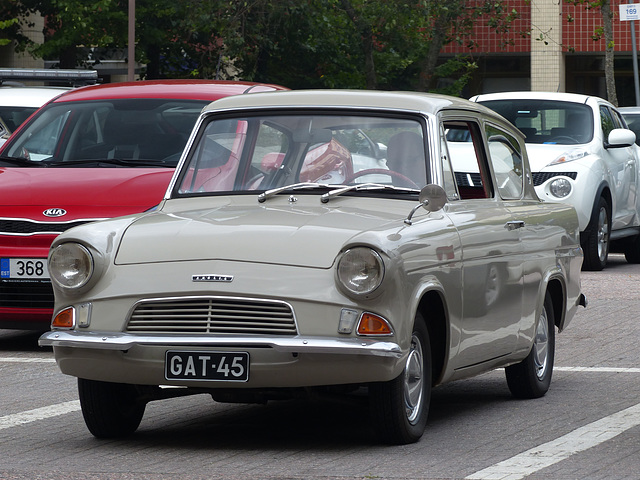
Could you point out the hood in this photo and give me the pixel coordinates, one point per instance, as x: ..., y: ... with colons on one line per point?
x: 541, y: 155
x: 303, y: 235
x: 82, y: 193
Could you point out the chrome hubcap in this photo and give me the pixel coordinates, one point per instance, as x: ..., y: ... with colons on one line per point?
x: 413, y: 380
x: 541, y: 345
x: 603, y: 234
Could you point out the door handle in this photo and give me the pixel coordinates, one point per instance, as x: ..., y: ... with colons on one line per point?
x: 514, y: 225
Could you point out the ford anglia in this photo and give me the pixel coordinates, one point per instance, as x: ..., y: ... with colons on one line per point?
x: 315, y: 241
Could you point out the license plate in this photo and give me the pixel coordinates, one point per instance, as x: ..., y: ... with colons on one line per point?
x: 212, y: 366
x: 16, y: 268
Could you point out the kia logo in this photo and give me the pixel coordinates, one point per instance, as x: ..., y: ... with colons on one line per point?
x: 54, y: 212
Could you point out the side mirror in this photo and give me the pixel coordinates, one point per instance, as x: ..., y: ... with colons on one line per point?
x: 620, y: 137
x: 432, y: 198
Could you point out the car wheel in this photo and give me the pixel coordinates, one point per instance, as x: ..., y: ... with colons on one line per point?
x: 531, y: 377
x: 110, y: 410
x: 400, y: 406
x: 596, y: 243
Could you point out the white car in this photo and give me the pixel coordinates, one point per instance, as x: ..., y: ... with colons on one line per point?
x: 270, y: 270
x: 581, y: 153
x: 18, y: 103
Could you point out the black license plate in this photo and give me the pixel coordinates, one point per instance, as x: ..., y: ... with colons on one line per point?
x: 213, y: 366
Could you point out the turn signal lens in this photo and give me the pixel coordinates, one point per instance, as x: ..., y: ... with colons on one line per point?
x: 371, y: 324
x: 64, y: 319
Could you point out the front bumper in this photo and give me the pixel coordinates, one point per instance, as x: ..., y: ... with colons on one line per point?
x: 275, y: 362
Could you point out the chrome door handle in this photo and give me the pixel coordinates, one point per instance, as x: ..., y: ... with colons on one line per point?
x: 514, y: 225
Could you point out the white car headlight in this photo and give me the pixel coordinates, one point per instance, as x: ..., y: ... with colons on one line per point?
x: 360, y: 270
x: 560, y: 187
x: 570, y: 156
x: 70, y: 265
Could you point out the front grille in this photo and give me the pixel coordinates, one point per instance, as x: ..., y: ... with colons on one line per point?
x: 213, y: 315
x: 26, y: 294
x: 28, y: 227
x: 540, y: 177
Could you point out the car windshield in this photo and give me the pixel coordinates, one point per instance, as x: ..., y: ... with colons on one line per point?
x: 547, y: 121
x: 116, y: 132
x: 262, y: 152
x: 12, y: 117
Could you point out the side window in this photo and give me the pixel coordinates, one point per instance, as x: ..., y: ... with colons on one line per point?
x: 468, y: 159
x: 447, y: 169
x: 607, y: 122
x: 506, y: 160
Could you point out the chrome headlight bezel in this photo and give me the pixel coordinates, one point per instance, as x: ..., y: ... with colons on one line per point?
x: 360, y: 271
x: 71, y: 265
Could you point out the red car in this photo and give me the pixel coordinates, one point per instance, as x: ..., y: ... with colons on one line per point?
x: 93, y: 153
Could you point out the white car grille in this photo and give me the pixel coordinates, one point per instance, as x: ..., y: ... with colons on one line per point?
x: 212, y: 315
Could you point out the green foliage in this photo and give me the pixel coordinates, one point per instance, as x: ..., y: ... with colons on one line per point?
x: 391, y: 44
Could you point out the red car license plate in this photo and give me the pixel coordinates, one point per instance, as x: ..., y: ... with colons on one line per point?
x: 213, y: 366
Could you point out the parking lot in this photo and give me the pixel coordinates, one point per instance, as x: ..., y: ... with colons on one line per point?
x: 587, y: 426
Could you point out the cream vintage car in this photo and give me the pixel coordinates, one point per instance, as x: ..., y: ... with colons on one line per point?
x: 321, y: 241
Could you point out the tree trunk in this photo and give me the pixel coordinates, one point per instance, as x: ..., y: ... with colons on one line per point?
x: 366, y: 36
x: 607, y: 26
x: 426, y: 80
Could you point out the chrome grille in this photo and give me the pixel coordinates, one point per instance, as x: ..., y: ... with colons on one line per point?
x: 212, y: 315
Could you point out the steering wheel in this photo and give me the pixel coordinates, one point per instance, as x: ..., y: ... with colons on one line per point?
x: 382, y: 171
x: 564, y: 139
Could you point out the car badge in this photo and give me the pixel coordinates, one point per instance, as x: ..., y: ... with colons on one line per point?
x: 54, y: 212
x: 212, y: 278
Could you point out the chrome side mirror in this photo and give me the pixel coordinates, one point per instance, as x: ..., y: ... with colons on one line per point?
x: 432, y: 198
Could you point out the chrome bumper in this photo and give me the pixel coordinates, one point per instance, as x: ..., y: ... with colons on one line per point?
x: 125, y: 341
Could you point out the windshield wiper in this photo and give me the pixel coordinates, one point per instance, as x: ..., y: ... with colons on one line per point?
x: 296, y: 186
x: 110, y: 161
x: 21, y: 162
x: 365, y: 186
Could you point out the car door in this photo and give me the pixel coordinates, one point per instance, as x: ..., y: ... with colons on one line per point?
x: 491, y: 251
x: 622, y: 165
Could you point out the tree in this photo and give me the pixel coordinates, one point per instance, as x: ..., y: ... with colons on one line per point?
x: 392, y: 44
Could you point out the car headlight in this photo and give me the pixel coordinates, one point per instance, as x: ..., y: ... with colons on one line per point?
x: 70, y: 265
x: 560, y: 187
x: 570, y: 156
x: 360, y: 270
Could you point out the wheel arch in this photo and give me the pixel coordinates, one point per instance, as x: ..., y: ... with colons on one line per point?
x: 556, y: 288
x: 433, y: 308
x: 603, y: 191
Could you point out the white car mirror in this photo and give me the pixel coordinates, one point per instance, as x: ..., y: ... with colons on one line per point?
x: 620, y: 137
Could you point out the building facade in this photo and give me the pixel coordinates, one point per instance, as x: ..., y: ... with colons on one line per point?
x: 552, y: 46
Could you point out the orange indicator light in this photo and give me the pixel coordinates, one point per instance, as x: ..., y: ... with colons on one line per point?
x: 64, y: 318
x: 371, y: 324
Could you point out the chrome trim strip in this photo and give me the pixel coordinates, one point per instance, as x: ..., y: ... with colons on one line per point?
x: 125, y: 341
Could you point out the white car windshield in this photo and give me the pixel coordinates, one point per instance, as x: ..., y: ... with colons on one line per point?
x: 262, y: 152
x: 547, y: 121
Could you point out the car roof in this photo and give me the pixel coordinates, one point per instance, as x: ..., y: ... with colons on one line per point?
x: 28, y: 96
x: 408, y: 101
x: 528, y: 95
x: 176, y: 89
